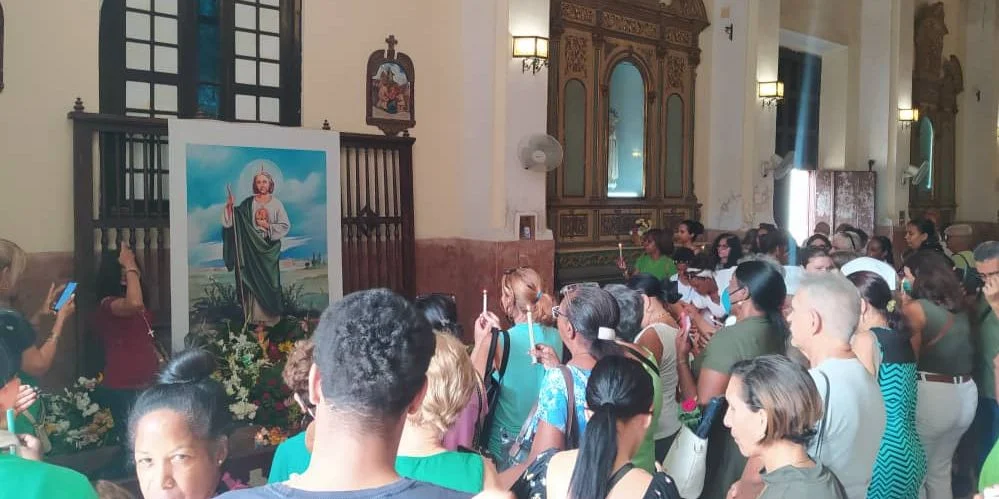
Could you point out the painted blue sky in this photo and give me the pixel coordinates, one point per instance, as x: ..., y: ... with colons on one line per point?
x: 300, y: 184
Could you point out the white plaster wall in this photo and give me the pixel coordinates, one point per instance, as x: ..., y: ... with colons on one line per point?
x: 833, y: 107
x: 50, y: 58
x: 760, y: 136
x: 703, y: 115
x: 875, y: 136
x: 893, y: 196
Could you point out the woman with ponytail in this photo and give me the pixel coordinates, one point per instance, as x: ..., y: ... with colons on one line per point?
x: 586, y: 319
x: 619, y: 399
x: 755, y: 296
x: 179, y: 428
x: 522, y: 291
x: 886, y: 352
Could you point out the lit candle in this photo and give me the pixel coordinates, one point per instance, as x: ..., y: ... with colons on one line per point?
x: 485, y: 300
x: 530, y: 334
x: 620, y: 250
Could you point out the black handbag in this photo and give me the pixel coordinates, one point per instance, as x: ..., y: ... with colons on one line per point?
x: 492, y: 384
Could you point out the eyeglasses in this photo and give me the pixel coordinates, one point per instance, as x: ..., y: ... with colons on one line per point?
x: 987, y: 275
x: 568, y: 288
x: 557, y: 312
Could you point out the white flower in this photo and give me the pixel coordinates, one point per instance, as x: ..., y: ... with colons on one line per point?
x: 243, y: 410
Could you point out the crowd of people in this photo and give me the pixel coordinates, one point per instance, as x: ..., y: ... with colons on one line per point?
x: 822, y: 370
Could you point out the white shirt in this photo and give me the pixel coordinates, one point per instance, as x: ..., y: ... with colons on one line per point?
x: 854, y: 424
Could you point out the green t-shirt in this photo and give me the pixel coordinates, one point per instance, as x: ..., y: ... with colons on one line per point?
x: 953, y: 353
x: 963, y: 259
x: 744, y: 340
x: 461, y: 471
x: 645, y: 457
x: 663, y: 268
x: 39, y: 480
x: 990, y: 470
x: 789, y: 482
x: 291, y: 457
x: 988, y: 337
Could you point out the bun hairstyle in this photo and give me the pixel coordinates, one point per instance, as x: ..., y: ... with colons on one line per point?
x: 875, y: 291
x: 766, y: 291
x: 524, y: 286
x: 185, y: 386
x: 648, y: 285
x: 589, y: 310
x: 441, y: 311
x: 926, y: 226
x: 619, y: 389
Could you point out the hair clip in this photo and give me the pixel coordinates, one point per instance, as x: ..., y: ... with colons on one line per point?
x: 606, y: 333
x: 890, y: 307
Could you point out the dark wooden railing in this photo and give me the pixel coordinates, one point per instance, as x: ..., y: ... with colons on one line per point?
x: 121, y: 192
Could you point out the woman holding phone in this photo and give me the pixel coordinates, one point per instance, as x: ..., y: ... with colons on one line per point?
x: 19, y: 334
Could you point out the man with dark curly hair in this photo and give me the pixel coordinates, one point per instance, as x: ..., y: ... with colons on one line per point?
x: 372, y: 350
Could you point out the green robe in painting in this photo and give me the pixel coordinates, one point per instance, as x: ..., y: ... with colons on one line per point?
x: 258, y: 255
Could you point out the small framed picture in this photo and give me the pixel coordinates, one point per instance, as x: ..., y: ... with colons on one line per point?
x: 526, y: 226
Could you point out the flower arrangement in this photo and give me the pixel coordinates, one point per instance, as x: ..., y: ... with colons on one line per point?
x: 73, y: 421
x: 250, y: 361
x: 642, y: 225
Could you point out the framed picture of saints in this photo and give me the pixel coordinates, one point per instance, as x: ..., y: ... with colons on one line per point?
x: 254, y: 224
x: 390, y: 91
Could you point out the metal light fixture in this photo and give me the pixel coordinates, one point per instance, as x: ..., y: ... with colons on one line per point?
x: 906, y: 117
x: 533, y: 50
x: 770, y: 92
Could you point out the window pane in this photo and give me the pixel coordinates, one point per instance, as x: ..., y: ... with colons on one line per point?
x: 166, y: 6
x: 626, y: 137
x: 137, y: 25
x: 246, y: 44
x: 574, y: 179
x: 246, y: 107
x: 208, y: 100
x: 208, y: 52
x: 246, y: 72
x: 138, y: 4
x: 165, y: 59
x: 166, y: 29
x: 270, y: 74
x: 270, y: 20
x: 208, y: 8
x: 270, y: 109
x: 270, y: 2
x: 165, y: 97
x: 246, y: 16
x: 137, y: 56
x: 137, y: 94
x: 270, y: 47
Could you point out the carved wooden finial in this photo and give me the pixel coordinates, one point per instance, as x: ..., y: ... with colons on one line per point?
x: 392, y: 42
x: 78, y: 105
x: 326, y: 125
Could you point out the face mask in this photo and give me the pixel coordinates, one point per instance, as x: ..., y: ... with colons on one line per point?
x: 907, y: 286
x: 726, y: 301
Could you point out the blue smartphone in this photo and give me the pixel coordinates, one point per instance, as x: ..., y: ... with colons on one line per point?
x: 66, y: 295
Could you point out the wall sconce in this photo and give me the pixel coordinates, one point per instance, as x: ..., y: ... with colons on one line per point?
x: 906, y: 117
x: 534, y: 51
x: 770, y: 92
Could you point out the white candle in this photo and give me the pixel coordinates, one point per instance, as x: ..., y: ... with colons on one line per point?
x: 530, y: 335
x: 620, y: 250
x: 485, y: 300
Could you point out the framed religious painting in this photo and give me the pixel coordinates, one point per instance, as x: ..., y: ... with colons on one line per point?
x: 254, y: 225
x: 389, y: 82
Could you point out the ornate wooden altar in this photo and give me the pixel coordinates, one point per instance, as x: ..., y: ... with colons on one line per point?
x: 621, y: 101
x: 936, y: 83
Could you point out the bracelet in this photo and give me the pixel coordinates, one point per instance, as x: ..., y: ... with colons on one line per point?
x: 137, y: 273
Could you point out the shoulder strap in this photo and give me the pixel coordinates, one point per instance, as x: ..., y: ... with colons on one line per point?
x: 571, y: 437
x: 645, y: 360
x: 506, y: 352
x: 619, y: 474
x: 825, y: 417
x: 640, y: 333
x: 490, y: 357
x: 943, y: 331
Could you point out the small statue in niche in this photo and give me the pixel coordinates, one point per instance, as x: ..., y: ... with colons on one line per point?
x: 612, y: 167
